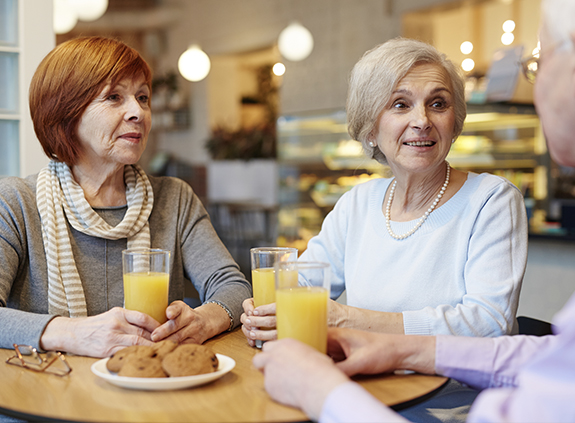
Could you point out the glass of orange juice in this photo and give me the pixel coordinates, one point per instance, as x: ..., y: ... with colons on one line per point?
x: 263, y: 260
x: 146, y: 281
x: 302, y: 293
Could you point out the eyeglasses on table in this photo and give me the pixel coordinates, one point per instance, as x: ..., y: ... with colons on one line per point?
x: 51, y: 362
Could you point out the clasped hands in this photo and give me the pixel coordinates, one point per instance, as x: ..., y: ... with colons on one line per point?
x: 104, y: 334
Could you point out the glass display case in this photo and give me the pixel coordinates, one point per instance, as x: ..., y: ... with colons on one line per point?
x: 318, y: 162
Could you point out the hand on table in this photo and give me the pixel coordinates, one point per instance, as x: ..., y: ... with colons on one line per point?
x: 361, y: 352
x: 255, y: 318
x: 101, y: 335
x: 188, y: 325
x: 298, y: 375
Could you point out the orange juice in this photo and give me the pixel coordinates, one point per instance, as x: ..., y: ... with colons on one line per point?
x: 263, y: 282
x: 147, y: 292
x: 302, y: 314
x: 287, y: 278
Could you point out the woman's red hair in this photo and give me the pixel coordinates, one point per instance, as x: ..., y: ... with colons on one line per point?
x: 66, y: 82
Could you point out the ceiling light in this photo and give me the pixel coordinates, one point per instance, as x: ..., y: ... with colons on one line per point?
x: 467, y: 65
x: 295, y: 42
x: 507, y: 38
x: 279, y: 69
x: 194, y: 64
x: 89, y: 10
x: 64, y: 17
x: 466, y: 47
x: 508, y: 26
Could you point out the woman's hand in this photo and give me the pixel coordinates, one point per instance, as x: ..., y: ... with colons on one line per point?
x: 255, y: 320
x: 337, y: 314
x: 101, y: 335
x: 188, y: 325
x: 344, y: 316
x: 298, y: 375
x: 361, y: 352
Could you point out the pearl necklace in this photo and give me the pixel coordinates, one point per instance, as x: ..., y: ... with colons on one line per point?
x: 423, y: 218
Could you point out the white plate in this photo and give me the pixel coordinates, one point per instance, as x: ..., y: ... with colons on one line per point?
x: 163, y: 383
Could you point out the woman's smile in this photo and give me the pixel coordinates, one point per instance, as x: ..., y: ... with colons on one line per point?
x: 420, y: 143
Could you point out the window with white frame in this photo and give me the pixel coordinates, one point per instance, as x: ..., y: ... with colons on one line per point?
x: 9, y: 89
x: 26, y: 36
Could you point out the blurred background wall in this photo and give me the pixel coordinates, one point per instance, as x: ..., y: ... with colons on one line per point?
x: 288, y: 125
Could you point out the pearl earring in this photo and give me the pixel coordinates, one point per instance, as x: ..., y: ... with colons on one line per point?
x: 371, y: 144
x: 453, y: 140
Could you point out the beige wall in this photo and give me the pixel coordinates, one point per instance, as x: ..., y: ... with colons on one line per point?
x: 479, y: 22
x: 343, y: 30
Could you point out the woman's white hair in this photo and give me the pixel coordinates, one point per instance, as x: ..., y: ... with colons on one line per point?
x: 558, y: 18
x: 375, y: 76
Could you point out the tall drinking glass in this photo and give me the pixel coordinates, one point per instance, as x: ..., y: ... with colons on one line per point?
x: 146, y: 281
x: 263, y: 260
x: 302, y: 294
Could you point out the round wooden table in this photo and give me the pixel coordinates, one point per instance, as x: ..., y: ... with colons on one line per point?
x: 238, y: 396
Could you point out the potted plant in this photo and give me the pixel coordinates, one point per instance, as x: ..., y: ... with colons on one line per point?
x: 244, y: 167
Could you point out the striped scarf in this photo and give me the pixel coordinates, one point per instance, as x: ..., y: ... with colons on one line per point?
x: 57, y: 193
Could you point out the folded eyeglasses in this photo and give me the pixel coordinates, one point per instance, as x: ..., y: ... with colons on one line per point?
x: 52, y: 362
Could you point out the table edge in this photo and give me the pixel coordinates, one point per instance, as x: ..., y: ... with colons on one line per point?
x: 28, y: 417
x: 410, y: 403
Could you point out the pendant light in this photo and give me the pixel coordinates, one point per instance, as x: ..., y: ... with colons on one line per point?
x: 89, y: 10
x: 68, y: 12
x: 65, y: 18
x: 194, y: 64
x: 295, y: 42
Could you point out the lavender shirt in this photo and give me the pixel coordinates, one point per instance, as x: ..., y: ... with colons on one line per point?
x: 525, y: 378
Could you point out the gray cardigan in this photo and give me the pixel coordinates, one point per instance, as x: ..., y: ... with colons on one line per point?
x: 178, y: 223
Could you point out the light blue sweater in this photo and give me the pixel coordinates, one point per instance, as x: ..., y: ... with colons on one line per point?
x: 459, y: 274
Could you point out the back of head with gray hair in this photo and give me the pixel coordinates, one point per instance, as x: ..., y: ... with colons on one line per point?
x: 375, y: 76
x: 558, y: 18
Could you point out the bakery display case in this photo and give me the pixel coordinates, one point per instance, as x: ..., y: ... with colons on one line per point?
x: 507, y: 140
x: 318, y: 162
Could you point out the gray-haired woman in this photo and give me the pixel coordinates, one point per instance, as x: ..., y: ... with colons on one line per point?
x: 433, y: 250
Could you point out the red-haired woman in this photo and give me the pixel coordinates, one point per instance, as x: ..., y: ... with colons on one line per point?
x: 63, y: 230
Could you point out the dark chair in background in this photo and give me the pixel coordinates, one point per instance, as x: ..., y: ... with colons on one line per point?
x: 164, y: 164
x: 531, y: 326
x: 242, y: 226
x: 568, y: 217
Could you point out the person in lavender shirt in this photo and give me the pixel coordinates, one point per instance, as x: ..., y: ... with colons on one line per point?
x: 522, y: 378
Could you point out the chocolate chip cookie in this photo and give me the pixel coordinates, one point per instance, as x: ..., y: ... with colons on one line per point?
x: 190, y: 360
